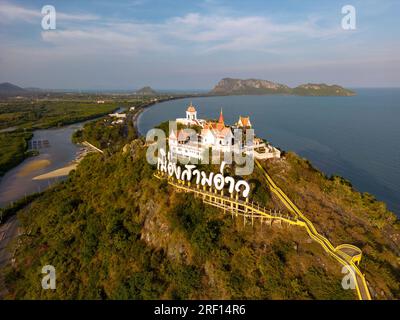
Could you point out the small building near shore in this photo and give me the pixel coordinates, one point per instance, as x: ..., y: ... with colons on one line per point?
x: 118, y: 115
x: 118, y: 121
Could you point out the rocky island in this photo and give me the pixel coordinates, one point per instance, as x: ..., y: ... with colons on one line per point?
x: 230, y: 86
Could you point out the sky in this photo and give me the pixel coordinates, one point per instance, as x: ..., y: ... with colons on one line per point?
x: 189, y: 44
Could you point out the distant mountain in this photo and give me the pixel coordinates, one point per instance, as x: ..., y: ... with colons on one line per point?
x: 249, y: 86
x: 146, y: 91
x: 9, y: 89
x: 322, y: 89
x: 230, y: 86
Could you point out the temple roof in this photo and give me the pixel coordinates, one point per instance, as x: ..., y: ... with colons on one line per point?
x: 216, y: 128
x: 244, y: 121
x: 191, y: 108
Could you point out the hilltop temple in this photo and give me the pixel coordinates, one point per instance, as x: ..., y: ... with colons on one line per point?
x: 218, y: 136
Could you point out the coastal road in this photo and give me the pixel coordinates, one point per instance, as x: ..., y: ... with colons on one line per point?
x: 135, y: 117
x: 338, y: 253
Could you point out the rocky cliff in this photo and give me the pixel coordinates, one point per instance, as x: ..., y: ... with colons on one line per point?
x: 230, y: 86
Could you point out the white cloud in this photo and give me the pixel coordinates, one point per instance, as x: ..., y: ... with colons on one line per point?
x: 241, y: 33
x: 195, y: 33
x: 200, y: 33
x: 11, y: 13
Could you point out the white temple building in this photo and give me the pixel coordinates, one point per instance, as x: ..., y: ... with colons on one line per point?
x: 218, y: 136
x: 191, y: 117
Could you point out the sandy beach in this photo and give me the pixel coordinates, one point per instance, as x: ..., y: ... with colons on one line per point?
x: 32, y: 166
x: 62, y: 172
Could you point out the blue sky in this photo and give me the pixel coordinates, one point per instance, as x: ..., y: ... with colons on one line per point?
x: 192, y: 44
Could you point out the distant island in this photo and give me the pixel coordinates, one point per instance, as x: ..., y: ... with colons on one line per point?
x: 230, y: 86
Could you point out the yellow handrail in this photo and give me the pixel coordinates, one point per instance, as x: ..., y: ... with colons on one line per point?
x: 325, y: 243
x: 299, y: 219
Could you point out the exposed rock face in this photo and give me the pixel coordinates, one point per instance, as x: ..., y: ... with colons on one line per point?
x: 134, y: 146
x: 230, y: 86
x: 249, y: 86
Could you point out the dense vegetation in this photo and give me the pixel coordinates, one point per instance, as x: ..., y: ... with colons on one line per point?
x: 105, y: 135
x: 13, y: 149
x: 16, y: 206
x: 321, y: 89
x: 112, y: 231
x: 45, y: 114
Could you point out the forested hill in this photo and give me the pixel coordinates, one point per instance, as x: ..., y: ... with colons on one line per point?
x: 113, y: 231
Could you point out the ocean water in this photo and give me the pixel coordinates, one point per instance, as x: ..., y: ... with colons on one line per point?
x: 355, y: 137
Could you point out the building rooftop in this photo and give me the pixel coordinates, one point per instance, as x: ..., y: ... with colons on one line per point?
x: 191, y: 108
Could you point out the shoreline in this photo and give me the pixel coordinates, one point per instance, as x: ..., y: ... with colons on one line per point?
x: 64, y: 171
x: 58, y: 173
